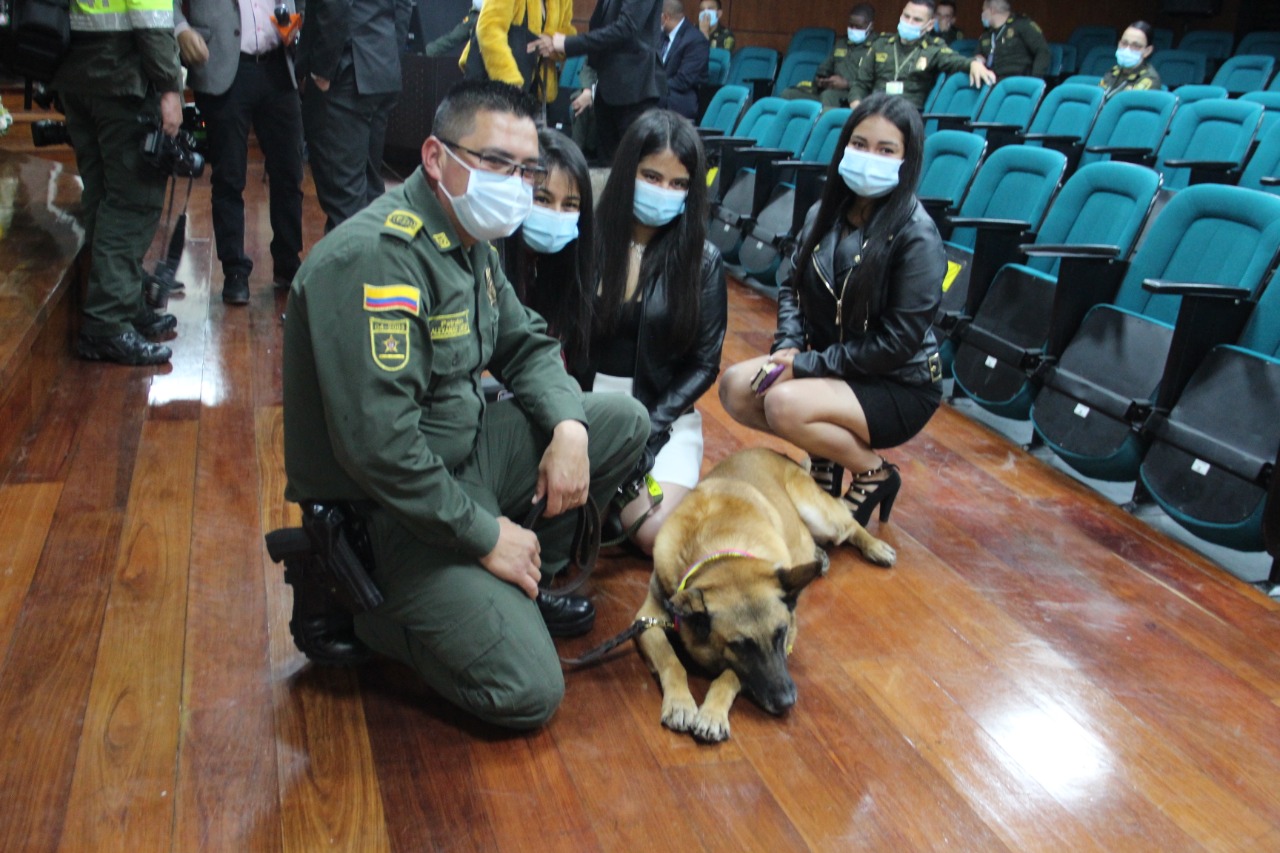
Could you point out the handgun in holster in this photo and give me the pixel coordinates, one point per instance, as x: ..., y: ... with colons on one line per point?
x: 327, y: 534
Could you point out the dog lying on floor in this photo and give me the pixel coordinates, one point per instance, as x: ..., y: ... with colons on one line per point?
x: 728, y: 567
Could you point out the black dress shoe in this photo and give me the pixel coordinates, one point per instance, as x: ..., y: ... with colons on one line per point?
x: 235, y: 289
x: 322, y: 629
x: 566, y: 615
x: 151, y: 324
x: 125, y: 348
x: 282, y: 279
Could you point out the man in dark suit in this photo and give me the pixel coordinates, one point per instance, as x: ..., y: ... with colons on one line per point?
x: 242, y: 74
x: 684, y: 53
x: 350, y: 58
x: 622, y: 46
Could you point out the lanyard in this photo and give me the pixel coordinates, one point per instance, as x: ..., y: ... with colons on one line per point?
x: 897, y: 66
x: 995, y: 40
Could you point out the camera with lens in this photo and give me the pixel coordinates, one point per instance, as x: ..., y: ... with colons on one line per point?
x: 49, y: 132
x: 173, y: 155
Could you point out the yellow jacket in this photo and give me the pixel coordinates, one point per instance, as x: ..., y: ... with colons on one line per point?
x: 497, y: 16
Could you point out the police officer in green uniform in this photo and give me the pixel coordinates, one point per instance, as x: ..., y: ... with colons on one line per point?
x: 908, y: 62
x: 1132, y: 71
x: 452, y: 42
x: 831, y: 80
x: 1012, y: 45
x: 944, y: 22
x: 390, y: 323
x: 122, y: 64
x: 711, y: 24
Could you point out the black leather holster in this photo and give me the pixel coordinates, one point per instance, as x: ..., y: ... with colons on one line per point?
x: 336, y: 537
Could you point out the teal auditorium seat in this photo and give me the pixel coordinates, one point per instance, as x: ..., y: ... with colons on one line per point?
x: 817, y: 40
x: 1090, y: 230
x: 783, y: 138
x: 1189, y: 93
x: 1064, y: 119
x: 718, y: 60
x: 790, y: 187
x: 1162, y: 38
x: 1260, y: 43
x: 797, y: 66
x: 1212, y: 44
x: 932, y: 97
x: 569, y: 73
x: 1008, y: 109
x: 754, y: 67
x: 956, y: 104
x: 1209, y: 473
x: 1098, y: 60
x: 1207, y: 137
x: 1245, y: 73
x: 1085, y: 38
x: 1262, y: 172
x: 1270, y: 102
x: 965, y: 47
x: 722, y: 114
x: 1180, y: 67
x: 1130, y: 124
x: 951, y: 160
x: 1102, y: 377
x: 1083, y: 80
x: 1003, y: 207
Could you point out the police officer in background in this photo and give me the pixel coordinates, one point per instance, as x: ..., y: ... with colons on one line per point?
x: 1133, y: 70
x: 711, y: 25
x: 944, y: 23
x: 391, y: 321
x: 832, y: 78
x: 1012, y: 45
x: 909, y: 61
x: 122, y: 64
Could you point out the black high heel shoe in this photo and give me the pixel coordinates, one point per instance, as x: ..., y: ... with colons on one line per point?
x: 874, y: 493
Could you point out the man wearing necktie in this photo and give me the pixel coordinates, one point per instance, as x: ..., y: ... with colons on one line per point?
x: 685, y: 55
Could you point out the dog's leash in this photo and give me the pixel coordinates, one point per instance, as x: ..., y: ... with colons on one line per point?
x: 594, y: 656
x: 585, y: 547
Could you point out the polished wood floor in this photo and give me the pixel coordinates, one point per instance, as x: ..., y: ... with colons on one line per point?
x: 1040, y: 672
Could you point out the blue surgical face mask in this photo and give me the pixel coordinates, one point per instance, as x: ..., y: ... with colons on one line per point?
x: 909, y: 32
x: 1128, y: 57
x: 548, y: 231
x: 986, y: 22
x: 869, y: 175
x: 656, y: 206
x: 858, y: 36
x: 711, y: 16
x: 493, y: 205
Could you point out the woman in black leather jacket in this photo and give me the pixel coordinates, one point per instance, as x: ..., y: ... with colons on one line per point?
x: 855, y: 365
x: 661, y: 309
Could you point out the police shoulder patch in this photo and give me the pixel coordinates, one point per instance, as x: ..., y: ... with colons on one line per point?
x: 442, y: 240
x: 403, y: 224
x: 389, y: 341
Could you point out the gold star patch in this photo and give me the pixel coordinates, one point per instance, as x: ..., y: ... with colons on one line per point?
x: 389, y: 341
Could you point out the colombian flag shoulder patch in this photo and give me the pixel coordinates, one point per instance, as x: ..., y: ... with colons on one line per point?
x: 393, y: 297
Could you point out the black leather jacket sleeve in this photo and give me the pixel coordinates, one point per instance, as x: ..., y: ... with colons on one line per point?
x: 690, y: 375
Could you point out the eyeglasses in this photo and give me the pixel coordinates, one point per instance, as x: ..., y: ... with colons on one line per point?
x: 532, y: 172
x: 1132, y: 45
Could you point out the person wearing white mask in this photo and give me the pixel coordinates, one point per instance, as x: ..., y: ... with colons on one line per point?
x: 661, y: 311
x: 391, y: 322
x: 1011, y: 45
x: 711, y: 24
x: 1133, y: 70
x: 854, y: 366
x: 549, y: 260
x: 907, y: 62
x: 830, y: 82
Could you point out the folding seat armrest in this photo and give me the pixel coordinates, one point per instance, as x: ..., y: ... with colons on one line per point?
x: 760, y: 87
x: 1068, y: 250
x: 994, y: 125
x: 1125, y: 154
x: 983, y: 223
x: 1270, y: 181
x: 939, y: 209
x: 1208, y: 171
x: 710, y: 133
x: 1209, y: 315
x: 949, y: 121
x: 1051, y: 138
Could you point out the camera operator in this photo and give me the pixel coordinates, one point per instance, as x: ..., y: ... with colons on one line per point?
x: 122, y: 65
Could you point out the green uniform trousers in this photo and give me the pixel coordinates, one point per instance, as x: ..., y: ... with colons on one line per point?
x: 122, y: 200
x: 478, y: 641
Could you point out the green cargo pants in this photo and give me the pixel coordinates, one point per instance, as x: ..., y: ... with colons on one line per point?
x: 122, y: 199
x: 478, y: 641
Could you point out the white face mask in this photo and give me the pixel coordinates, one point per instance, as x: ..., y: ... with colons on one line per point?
x: 1128, y: 57
x: 857, y: 36
x: 711, y: 16
x: 869, y: 175
x: 656, y: 206
x: 493, y: 205
x: 548, y: 231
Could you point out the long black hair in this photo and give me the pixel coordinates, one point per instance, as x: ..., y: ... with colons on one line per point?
x: 675, y: 252
x: 889, y: 214
x: 559, y: 286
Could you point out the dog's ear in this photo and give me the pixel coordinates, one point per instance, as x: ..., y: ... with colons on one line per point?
x: 691, y: 609
x: 796, y: 578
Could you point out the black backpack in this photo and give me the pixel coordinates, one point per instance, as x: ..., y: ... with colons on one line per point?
x: 37, y: 38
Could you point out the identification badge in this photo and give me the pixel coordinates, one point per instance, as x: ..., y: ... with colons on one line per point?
x: 893, y: 87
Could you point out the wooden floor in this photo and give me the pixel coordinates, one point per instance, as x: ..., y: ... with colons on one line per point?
x: 1040, y: 672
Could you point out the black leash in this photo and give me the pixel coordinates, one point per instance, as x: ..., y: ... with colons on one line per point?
x: 637, y: 627
x: 585, y: 547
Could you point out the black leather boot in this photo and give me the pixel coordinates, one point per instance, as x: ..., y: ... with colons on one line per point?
x: 322, y: 629
x: 566, y: 615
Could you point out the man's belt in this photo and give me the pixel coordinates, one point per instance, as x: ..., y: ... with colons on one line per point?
x: 274, y: 53
x: 333, y: 535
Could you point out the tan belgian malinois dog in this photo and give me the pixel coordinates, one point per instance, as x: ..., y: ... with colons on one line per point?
x: 728, y: 567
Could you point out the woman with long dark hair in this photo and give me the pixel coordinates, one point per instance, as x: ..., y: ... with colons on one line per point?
x: 661, y: 305
x: 549, y: 259
x: 854, y: 365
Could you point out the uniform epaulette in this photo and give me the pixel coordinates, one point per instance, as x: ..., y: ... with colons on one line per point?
x: 402, y: 224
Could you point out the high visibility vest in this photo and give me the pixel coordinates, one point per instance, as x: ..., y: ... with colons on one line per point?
x: 112, y: 16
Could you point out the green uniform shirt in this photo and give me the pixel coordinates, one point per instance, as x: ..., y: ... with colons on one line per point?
x: 844, y: 60
x: 951, y: 36
x: 1137, y: 79
x: 1019, y: 49
x: 452, y: 42
x: 722, y: 37
x: 914, y: 65
x: 390, y: 323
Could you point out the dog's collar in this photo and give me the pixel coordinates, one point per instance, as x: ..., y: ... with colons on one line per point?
x: 711, y: 558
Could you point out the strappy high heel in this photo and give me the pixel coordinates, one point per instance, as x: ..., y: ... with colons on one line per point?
x: 827, y: 474
x: 873, y: 493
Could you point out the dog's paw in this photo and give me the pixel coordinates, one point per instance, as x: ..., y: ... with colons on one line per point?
x: 711, y: 726
x: 880, y: 553
x: 679, y: 713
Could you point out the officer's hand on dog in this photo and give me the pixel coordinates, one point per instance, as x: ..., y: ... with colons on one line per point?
x: 192, y: 47
x: 564, y: 474
x: 515, y: 559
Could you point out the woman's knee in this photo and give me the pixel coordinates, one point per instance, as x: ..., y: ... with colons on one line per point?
x: 735, y: 387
